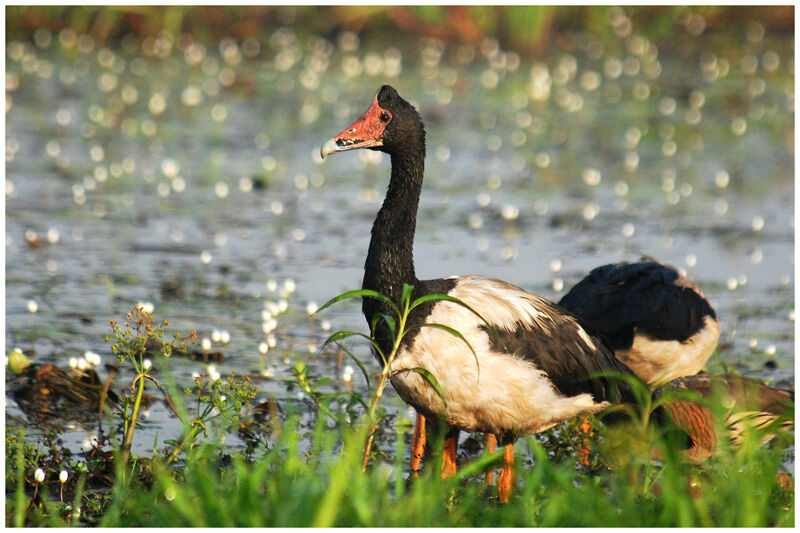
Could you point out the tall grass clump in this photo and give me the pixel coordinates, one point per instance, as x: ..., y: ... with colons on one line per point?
x: 333, y: 463
x: 290, y: 487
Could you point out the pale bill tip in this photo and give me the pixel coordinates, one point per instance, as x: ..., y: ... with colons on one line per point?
x: 328, y: 148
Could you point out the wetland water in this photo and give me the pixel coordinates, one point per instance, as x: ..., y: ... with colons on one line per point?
x: 188, y: 176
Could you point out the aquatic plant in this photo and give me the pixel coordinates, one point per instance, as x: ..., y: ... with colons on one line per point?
x: 399, y: 327
x: 130, y: 343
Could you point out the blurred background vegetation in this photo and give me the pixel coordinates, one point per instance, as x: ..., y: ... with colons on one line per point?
x: 527, y: 30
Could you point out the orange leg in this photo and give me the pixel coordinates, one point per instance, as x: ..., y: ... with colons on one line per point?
x: 489, y: 442
x: 506, y: 480
x: 449, y: 455
x: 418, y: 444
x: 585, y: 449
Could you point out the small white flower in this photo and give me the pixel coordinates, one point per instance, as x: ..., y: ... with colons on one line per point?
x: 269, y: 326
x: 272, y: 341
x: 212, y: 373
x: 771, y: 349
x: 265, y: 315
x: 263, y: 348
x: 147, y: 307
x: 91, y: 358
x: 63, y: 476
x: 82, y: 364
x: 268, y: 372
x: 73, y: 362
x: 195, y: 375
x: 206, y: 344
x: 289, y: 286
x: 273, y: 307
x: 225, y: 337
x: 311, y: 308
x: 32, y: 306
x: 216, y: 335
x: 272, y: 285
x: 39, y: 475
x: 326, y: 325
x: 283, y: 305
x: 147, y: 363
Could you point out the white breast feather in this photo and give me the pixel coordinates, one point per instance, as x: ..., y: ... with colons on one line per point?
x: 508, y: 393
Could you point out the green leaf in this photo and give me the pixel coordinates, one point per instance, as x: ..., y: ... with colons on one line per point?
x: 360, y: 366
x: 343, y: 334
x: 477, y: 466
x: 390, y: 322
x: 406, y: 296
x: 431, y: 379
x: 453, y: 332
x: 364, y: 293
x: 446, y: 297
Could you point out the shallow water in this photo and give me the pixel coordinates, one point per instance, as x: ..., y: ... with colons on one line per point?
x: 188, y: 176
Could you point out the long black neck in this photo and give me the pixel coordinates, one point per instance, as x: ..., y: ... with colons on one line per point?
x: 390, y: 261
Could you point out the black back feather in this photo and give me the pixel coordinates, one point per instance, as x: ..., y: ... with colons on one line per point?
x: 614, y: 299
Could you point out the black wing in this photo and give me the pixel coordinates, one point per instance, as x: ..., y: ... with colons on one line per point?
x: 648, y: 296
x: 570, y: 362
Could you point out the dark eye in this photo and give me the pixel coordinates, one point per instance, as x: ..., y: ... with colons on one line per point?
x: 384, y: 117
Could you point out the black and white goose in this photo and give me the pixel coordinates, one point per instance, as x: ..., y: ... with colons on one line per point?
x: 538, y: 366
x: 657, y: 321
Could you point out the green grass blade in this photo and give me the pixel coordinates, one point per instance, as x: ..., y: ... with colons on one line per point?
x: 19, y: 510
x: 446, y: 297
x: 432, y: 381
x: 407, y: 291
x: 364, y: 293
x: 343, y: 334
x: 361, y: 367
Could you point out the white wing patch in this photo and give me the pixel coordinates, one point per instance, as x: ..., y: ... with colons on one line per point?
x: 583, y: 335
x: 502, y: 304
x: 487, y: 391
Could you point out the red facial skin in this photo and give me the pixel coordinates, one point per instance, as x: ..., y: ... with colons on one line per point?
x: 363, y: 133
